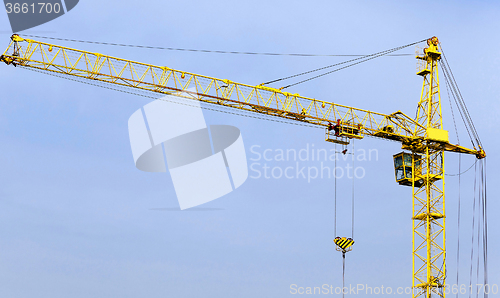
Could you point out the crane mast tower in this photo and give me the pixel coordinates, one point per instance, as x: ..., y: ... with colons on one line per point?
x: 429, y: 233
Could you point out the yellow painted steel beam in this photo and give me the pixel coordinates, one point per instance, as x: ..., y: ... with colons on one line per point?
x: 164, y: 80
x: 429, y: 232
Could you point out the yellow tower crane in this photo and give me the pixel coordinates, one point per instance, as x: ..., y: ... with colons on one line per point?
x: 421, y: 166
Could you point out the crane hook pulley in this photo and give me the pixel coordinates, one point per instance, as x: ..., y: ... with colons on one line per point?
x: 344, y: 244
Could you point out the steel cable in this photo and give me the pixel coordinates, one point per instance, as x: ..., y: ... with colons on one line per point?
x: 202, y: 51
x: 366, y: 57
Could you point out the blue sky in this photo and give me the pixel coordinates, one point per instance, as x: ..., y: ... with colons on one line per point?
x: 78, y: 218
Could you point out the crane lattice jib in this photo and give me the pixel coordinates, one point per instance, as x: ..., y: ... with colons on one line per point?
x: 261, y: 99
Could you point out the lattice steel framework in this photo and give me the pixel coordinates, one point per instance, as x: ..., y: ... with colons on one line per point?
x: 56, y: 59
x: 428, y: 197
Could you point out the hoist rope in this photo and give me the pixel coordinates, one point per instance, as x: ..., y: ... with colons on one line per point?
x: 451, y: 109
x: 462, y: 108
x: 452, y: 87
x: 335, y: 196
x: 458, y: 217
x: 473, y: 230
x: 479, y: 237
x: 343, y: 273
x: 459, y: 206
x: 479, y: 233
x: 459, y: 104
x: 459, y: 185
x: 203, y: 51
x: 480, y: 203
x: 352, y: 199
x: 335, y: 191
x: 485, y: 227
x: 362, y: 59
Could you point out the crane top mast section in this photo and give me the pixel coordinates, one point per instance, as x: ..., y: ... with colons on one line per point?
x: 346, y: 122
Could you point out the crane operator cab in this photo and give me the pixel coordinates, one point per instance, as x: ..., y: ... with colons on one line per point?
x: 404, y: 169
